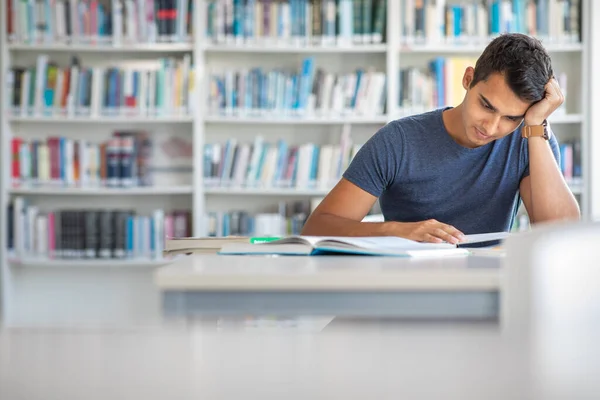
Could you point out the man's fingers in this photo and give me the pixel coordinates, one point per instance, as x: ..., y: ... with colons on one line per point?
x: 455, y: 232
x: 553, y: 89
x: 445, y: 235
x: 428, y: 237
x: 557, y: 89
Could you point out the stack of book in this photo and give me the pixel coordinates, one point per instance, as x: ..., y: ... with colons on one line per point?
x: 206, y: 245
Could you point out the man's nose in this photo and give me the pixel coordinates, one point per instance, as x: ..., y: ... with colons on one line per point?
x: 491, y: 125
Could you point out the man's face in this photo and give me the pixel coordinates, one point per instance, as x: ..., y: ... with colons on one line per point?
x: 491, y: 109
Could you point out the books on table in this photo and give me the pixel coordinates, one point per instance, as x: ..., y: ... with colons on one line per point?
x: 206, y: 245
x: 319, y: 245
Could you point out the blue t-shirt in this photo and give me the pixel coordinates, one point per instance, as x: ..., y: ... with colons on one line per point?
x: 418, y: 172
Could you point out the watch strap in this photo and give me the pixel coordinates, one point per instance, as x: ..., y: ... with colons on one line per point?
x: 535, y: 131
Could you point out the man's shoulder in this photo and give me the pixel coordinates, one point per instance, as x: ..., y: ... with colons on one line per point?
x: 426, y: 120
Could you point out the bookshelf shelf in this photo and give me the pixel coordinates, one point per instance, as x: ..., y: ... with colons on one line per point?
x: 265, y: 191
x: 103, y: 48
x: 75, y: 191
x: 566, y: 119
x: 454, y: 48
x: 291, y: 49
x: 273, y: 120
x: 43, y: 262
x: 101, y: 120
x: 576, y: 187
x: 554, y: 119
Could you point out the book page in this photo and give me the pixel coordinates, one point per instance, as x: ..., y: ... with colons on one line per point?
x: 382, y: 242
x: 485, y: 237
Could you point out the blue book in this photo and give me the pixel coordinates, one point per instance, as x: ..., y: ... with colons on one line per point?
x: 315, y: 163
x: 129, y: 236
x: 238, y: 19
x: 495, y: 18
x: 458, y: 16
x: 306, y: 82
x: 101, y: 20
x: 281, y: 162
x: 359, y: 75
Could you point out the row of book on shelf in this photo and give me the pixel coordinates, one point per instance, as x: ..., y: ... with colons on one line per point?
x: 570, y: 160
x: 442, y: 21
x: 288, y: 219
x: 47, y: 89
x: 326, y: 22
x: 98, y: 22
x: 440, y: 83
x: 345, y: 22
x: 309, y: 91
x: 86, y: 233
x: 267, y: 165
x: 124, y: 160
x: 91, y: 233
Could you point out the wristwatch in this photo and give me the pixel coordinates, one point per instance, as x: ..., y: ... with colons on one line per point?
x: 536, y: 130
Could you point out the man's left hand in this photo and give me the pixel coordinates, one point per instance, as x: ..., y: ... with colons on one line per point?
x: 541, y: 110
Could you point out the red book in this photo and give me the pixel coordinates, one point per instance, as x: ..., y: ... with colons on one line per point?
x: 51, y: 236
x: 9, y: 12
x: 16, y: 160
x: 54, y: 150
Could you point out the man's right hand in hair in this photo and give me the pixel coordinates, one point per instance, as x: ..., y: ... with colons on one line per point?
x: 431, y: 231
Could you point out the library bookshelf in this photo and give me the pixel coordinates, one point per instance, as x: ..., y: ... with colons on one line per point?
x: 226, y: 109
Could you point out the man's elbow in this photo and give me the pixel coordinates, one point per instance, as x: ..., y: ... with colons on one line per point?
x: 311, y: 227
x: 565, y: 214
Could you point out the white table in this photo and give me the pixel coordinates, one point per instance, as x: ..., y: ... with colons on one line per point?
x: 450, y: 287
x: 350, y: 361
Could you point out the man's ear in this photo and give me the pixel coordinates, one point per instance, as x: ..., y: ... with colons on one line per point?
x: 468, y: 78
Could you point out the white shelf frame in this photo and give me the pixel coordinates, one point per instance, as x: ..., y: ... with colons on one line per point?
x: 138, y: 48
x: 591, y: 143
x: 100, y: 191
x: 44, y: 262
x: 454, y: 48
x: 100, y: 120
x: 300, y: 192
x: 355, y: 120
x: 292, y: 49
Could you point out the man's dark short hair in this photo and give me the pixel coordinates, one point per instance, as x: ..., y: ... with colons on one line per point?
x: 522, y: 60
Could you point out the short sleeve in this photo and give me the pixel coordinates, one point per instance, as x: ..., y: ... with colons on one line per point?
x: 375, y: 165
x: 525, y: 152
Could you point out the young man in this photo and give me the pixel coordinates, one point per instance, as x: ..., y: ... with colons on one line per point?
x: 462, y: 170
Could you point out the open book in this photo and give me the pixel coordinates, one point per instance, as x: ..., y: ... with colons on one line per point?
x: 379, y: 246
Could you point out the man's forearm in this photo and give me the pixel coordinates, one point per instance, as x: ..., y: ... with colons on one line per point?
x: 333, y: 225
x: 550, y: 196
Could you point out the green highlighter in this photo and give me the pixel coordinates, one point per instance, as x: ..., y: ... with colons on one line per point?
x: 255, y: 240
